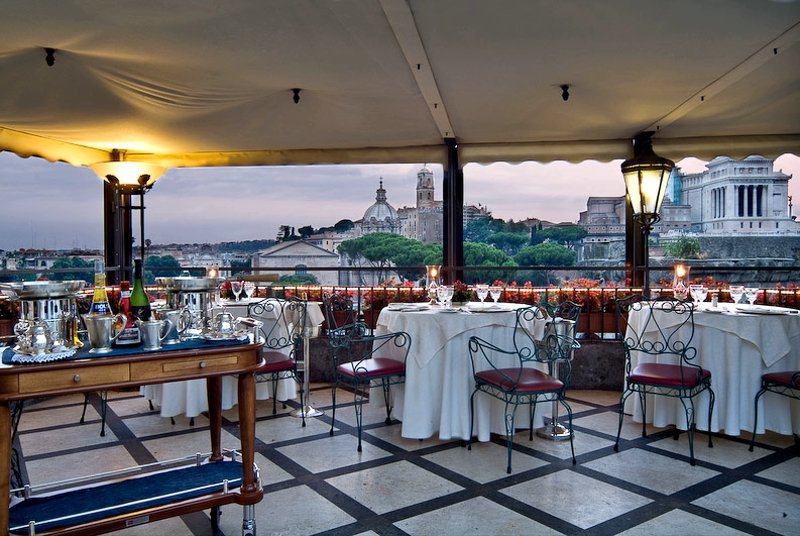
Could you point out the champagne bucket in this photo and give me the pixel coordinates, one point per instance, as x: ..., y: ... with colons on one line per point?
x: 180, y: 320
x: 102, y: 330
x: 153, y: 332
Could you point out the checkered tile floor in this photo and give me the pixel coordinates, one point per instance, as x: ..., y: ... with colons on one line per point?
x: 317, y: 484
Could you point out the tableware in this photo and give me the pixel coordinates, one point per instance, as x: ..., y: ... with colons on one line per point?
x: 444, y: 293
x: 737, y: 291
x: 751, y: 294
x: 153, y: 333
x: 180, y: 320
x: 102, y: 331
x: 699, y: 293
x: 249, y: 287
x: 482, y: 291
x: 495, y: 292
x: 236, y: 288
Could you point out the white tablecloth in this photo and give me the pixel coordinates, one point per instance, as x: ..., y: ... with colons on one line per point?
x: 190, y: 398
x: 737, y: 347
x: 435, y: 397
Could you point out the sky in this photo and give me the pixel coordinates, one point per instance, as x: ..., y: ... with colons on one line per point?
x: 59, y: 206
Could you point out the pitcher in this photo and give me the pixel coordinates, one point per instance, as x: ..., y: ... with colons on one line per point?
x: 180, y: 320
x: 153, y: 332
x: 102, y: 330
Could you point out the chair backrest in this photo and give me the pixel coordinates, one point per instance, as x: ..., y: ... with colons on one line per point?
x: 284, y: 321
x: 658, y: 327
x: 526, y: 344
x: 338, y: 311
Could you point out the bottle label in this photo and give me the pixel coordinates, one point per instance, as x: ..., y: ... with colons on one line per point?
x: 129, y: 336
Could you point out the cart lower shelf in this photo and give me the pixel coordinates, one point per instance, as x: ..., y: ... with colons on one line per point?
x: 121, y: 499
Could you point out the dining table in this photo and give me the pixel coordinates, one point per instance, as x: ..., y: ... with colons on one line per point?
x: 737, y: 343
x: 189, y: 397
x: 434, y: 400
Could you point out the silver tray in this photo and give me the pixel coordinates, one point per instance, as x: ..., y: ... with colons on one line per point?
x: 236, y: 335
x: 37, y: 289
x: 188, y: 284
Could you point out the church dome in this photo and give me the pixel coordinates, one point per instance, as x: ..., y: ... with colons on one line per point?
x: 381, y: 210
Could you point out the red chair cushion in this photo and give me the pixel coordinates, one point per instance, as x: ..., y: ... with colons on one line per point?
x: 275, y: 362
x: 371, y: 368
x: 782, y: 378
x: 529, y: 381
x: 668, y: 375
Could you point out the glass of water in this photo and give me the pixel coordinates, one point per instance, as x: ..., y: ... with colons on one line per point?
x: 699, y: 293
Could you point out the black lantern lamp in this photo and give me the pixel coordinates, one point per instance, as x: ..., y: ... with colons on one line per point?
x: 646, y: 177
x: 128, y: 178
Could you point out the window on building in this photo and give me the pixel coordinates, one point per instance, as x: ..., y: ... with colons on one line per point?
x: 300, y: 269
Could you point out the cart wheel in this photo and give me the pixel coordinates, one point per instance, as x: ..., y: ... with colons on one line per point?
x: 216, y: 513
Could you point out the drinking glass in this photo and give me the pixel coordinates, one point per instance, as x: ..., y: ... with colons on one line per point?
x: 482, y: 291
x: 441, y: 292
x: 236, y: 287
x: 249, y: 288
x: 495, y: 293
x: 751, y: 293
x: 448, y: 295
x: 737, y: 291
x: 694, y: 291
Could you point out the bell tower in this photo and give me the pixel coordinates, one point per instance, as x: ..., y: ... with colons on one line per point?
x: 425, y: 188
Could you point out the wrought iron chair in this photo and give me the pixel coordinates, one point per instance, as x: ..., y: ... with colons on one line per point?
x: 783, y: 383
x: 511, y: 375
x: 282, y: 331
x: 567, y: 310
x: 664, y: 334
x: 338, y: 311
x: 360, y: 362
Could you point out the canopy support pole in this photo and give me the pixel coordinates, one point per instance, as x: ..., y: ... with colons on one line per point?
x: 453, y: 215
x: 118, y: 232
x: 635, y: 248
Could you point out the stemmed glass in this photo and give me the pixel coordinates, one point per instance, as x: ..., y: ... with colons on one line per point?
x: 444, y: 293
x: 751, y: 293
x: 699, y: 293
x: 482, y: 291
x: 236, y: 287
x: 737, y: 291
x: 249, y: 288
x: 495, y: 292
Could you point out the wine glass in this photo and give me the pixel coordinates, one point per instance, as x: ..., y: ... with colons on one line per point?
x: 495, y: 292
x: 693, y: 291
x: 482, y: 291
x: 444, y: 293
x: 737, y: 291
x: 249, y: 288
x: 702, y: 293
x: 751, y: 293
x: 236, y: 287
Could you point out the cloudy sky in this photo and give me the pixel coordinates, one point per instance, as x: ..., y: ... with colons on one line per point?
x: 46, y: 205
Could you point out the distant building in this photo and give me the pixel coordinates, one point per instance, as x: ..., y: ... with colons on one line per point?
x: 745, y: 197
x: 301, y: 257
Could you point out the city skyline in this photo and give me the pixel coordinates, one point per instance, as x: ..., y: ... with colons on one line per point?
x: 58, y: 206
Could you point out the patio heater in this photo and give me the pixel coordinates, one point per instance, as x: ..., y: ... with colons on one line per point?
x: 646, y: 177
x: 125, y: 179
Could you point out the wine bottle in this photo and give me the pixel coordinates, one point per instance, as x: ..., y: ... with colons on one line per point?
x: 140, y: 302
x: 100, y: 305
x: 130, y: 334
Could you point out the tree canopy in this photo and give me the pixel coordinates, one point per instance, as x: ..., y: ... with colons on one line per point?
x: 683, y: 248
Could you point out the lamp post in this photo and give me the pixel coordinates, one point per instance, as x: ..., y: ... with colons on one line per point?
x: 646, y: 176
x: 124, y: 179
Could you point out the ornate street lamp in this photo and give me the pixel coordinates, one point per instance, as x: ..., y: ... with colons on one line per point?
x: 646, y: 177
x: 126, y: 178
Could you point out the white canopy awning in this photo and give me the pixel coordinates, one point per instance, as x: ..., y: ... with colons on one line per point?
x: 208, y: 83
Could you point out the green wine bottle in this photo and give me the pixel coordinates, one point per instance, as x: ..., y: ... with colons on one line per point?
x: 140, y: 302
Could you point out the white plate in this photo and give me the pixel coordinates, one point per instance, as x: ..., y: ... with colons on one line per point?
x: 763, y: 310
x: 449, y: 310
